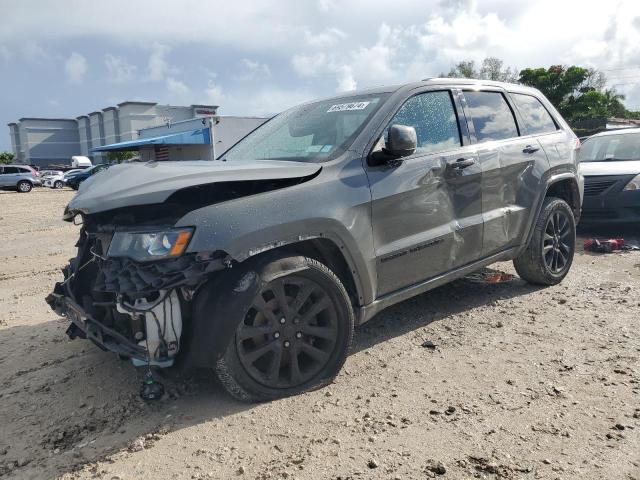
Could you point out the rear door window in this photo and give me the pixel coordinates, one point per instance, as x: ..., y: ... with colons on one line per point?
x: 10, y: 170
x: 491, y: 116
x: 535, y: 116
x: 433, y: 116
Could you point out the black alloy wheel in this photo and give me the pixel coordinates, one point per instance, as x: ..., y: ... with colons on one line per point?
x: 548, y: 257
x: 556, y: 244
x: 289, y: 333
x: 291, y: 324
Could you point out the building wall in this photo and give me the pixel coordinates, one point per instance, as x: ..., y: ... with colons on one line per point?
x: 111, y: 125
x: 84, y: 134
x: 96, y: 128
x: 229, y: 130
x: 14, y: 133
x: 45, y: 141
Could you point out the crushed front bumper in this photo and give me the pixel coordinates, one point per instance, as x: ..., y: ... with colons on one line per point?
x: 84, y: 326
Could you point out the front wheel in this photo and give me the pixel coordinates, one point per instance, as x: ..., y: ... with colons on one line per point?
x: 292, y: 336
x: 24, y: 186
x: 548, y: 257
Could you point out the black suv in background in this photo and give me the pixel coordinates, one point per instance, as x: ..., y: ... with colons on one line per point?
x: 258, y: 265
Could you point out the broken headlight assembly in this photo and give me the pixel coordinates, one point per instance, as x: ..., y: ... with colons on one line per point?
x: 153, y: 245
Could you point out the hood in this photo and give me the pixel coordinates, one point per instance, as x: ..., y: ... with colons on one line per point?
x: 151, y: 183
x: 627, y: 167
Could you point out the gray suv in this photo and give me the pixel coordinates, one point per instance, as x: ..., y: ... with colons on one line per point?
x: 259, y: 264
x: 21, y: 178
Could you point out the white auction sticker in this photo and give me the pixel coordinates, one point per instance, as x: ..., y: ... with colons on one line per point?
x: 342, y: 107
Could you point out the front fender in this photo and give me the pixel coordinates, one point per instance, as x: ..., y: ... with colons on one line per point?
x: 334, y: 205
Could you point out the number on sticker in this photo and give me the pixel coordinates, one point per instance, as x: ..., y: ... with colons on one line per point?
x: 342, y: 107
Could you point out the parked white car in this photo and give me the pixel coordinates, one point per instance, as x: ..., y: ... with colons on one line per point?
x: 58, y: 178
x: 610, y: 163
x: 54, y: 179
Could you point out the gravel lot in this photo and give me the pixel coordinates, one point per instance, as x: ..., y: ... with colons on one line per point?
x: 523, y: 382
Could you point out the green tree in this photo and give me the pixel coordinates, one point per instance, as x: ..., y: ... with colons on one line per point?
x: 492, y: 68
x: 119, y: 157
x: 6, y: 157
x: 578, y: 93
x: 556, y: 82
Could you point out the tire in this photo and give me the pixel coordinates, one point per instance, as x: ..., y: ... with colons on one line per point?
x: 549, y: 255
x: 58, y: 184
x: 24, y: 186
x: 276, y: 352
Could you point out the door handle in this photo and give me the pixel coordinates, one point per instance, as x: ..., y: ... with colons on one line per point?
x: 530, y: 149
x: 461, y: 163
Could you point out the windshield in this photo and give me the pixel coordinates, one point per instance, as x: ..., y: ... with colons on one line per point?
x: 622, y: 147
x: 313, y: 132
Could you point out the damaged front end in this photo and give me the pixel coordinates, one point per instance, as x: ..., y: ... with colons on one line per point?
x: 131, y: 287
x: 129, y: 290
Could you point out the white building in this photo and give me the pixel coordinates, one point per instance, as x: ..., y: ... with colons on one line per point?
x: 46, y: 141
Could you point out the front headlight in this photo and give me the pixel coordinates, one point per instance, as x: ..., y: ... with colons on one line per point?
x: 145, y: 246
x: 634, y: 184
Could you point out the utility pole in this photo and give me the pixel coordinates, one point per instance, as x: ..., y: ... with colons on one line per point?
x: 212, y: 122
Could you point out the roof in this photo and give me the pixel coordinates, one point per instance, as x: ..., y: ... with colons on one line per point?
x: 619, y: 131
x: 127, y: 102
x: 42, y: 118
x: 199, y: 136
x: 449, y: 81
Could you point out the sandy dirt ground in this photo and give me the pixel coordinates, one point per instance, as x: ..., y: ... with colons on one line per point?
x: 523, y: 382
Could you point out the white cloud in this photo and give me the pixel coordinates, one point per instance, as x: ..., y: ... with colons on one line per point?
x: 158, y: 67
x: 34, y: 53
x: 177, y: 88
x: 346, y: 81
x: 76, y: 68
x: 328, y: 38
x: 253, y: 70
x: 332, y: 45
x: 213, y: 93
x: 119, y: 70
x: 309, y: 65
x: 326, y: 5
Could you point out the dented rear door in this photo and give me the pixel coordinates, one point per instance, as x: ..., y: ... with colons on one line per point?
x: 510, y: 167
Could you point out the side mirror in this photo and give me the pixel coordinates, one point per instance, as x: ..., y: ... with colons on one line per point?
x: 402, y: 141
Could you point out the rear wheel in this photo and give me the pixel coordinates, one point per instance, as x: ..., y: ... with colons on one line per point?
x: 24, y: 186
x: 58, y: 184
x: 293, y: 336
x: 548, y: 257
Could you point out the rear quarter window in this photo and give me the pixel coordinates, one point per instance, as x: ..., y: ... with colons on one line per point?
x: 535, y: 116
x: 491, y: 116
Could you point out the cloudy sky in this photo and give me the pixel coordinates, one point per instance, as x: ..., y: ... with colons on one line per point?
x: 65, y: 58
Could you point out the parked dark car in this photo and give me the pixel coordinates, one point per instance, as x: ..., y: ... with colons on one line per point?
x: 610, y: 163
x: 258, y: 265
x: 21, y: 178
x: 75, y: 179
